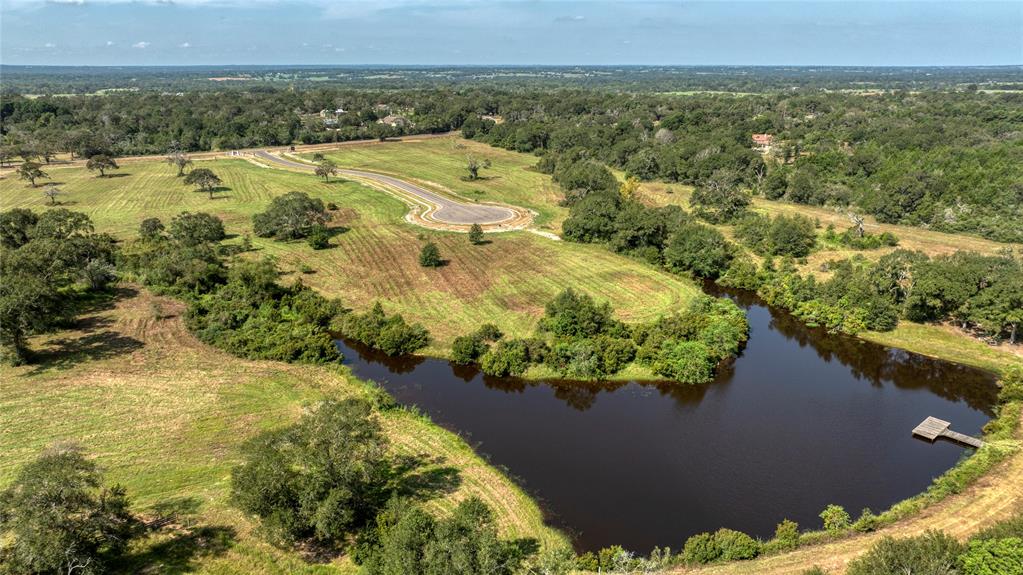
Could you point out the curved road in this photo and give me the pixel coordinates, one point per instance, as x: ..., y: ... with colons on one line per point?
x: 443, y: 209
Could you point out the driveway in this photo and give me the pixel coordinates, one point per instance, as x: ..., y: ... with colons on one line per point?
x: 439, y: 208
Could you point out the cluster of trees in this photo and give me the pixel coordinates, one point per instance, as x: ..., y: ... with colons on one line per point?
x: 328, y: 482
x: 49, y: 263
x: 579, y: 338
x: 390, y: 334
x: 858, y: 239
x: 949, y: 161
x: 977, y: 292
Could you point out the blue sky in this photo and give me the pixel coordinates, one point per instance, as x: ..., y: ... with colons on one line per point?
x: 346, y: 32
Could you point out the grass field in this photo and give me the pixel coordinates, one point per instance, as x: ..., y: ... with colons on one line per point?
x: 506, y: 281
x: 164, y: 415
x: 441, y: 163
x: 940, y: 341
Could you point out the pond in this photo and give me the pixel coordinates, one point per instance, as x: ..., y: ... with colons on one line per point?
x: 800, y: 420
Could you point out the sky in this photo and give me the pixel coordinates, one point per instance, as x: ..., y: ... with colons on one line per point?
x: 512, y: 32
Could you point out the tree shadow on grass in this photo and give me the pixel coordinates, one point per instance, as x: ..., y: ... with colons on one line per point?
x: 117, y: 175
x: 178, y: 544
x: 424, y: 477
x: 96, y: 341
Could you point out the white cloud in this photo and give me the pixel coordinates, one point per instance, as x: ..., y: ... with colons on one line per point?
x: 184, y: 45
x: 49, y: 45
x: 110, y: 42
x: 140, y: 45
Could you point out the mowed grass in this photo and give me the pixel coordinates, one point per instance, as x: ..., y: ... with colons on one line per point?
x: 941, y: 341
x: 374, y: 256
x: 164, y: 415
x: 440, y: 163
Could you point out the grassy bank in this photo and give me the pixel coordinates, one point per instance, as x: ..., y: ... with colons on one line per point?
x: 374, y: 255
x: 164, y: 415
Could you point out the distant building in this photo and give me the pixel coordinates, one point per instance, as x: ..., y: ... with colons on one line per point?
x: 395, y: 121
x: 762, y: 142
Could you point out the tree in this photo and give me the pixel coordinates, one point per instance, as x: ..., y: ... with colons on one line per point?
x: 16, y: 227
x: 476, y: 234
x: 291, y: 216
x: 699, y: 249
x: 719, y: 199
x: 204, y: 179
x: 61, y: 519
x: 326, y: 169
x: 179, y: 160
x: 474, y: 165
x: 933, y: 552
x: 194, y: 229
x: 429, y: 256
x: 324, y: 477
x: 31, y: 171
x: 51, y: 191
x: 102, y: 163
x: 151, y: 228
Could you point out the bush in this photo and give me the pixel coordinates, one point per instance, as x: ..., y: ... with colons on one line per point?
x: 198, y: 228
x: 151, y: 228
x: 429, y: 256
x: 392, y: 335
x: 993, y: 557
x: 467, y: 349
x: 319, y: 238
x: 867, y: 522
x: 701, y: 548
x: 736, y: 545
x: 291, y: 216
x: 835, y: 518
x: 508, y: 357
x: 684, y: 361
x: 573, y: 314
x: 786, y: 535
x: 476, y: 234
x: 933, y: 552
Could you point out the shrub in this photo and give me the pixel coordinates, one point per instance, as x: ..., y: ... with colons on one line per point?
x: 1012, y: 385
x: 576, y: 358
x: 429, y: 256
x: 467, y: 349
x: 684, y: 361
x: 736, y: 545
x: 476, y: 234
x: 993, y: 557
x: 319, y: 238
x: 933, y: 552
x: 508, y: 357
x: 867, y: 522
x: 198, y: 228
x: 573, y: 314
x: 701, y: 548
x: 151, y: 228
x: 291, y: 216
x: 786, y: 535
x: 835, y: 518
x: 392, y: 335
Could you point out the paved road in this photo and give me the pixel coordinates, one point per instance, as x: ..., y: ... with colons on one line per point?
x: 448, y: 210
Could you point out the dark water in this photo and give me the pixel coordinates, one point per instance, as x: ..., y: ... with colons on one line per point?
x: 800, y: 420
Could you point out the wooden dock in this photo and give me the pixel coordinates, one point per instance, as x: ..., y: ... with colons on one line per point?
x: 933, y: 428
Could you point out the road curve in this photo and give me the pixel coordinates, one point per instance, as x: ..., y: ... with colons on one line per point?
x: 428, y: 206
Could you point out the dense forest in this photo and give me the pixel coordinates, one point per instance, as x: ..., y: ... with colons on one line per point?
x: 91, y: 79
x: 946, y: 160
